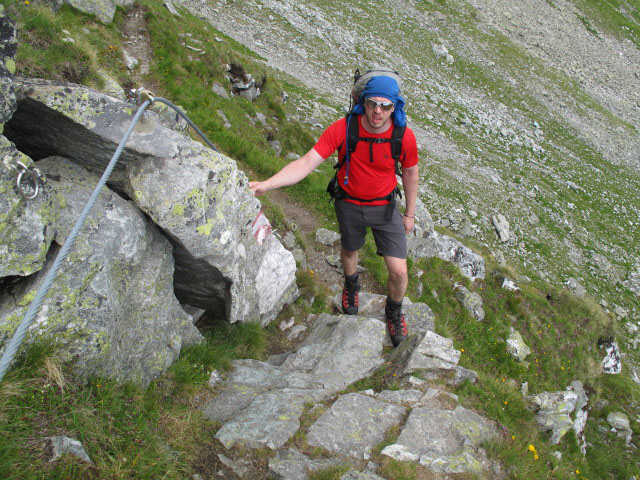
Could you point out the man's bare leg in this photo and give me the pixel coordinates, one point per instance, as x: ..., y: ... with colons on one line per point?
x: 396, y: 288
x: 398, y: 277
x: 349, y: 259
x: 350, y: 299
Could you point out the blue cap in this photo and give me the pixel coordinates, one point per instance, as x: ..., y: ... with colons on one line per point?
x: 385, y: 87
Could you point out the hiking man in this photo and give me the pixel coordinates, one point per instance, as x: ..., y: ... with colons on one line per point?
x: 364, y: 189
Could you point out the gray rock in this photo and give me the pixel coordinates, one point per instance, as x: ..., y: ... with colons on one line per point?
x: 171, y: 8
x: 356, y: 475
x: 215, y: 378
x: 86, y: 127
x: 510, y: 285
x: 461, y: 374
x: 112, y: 87
x: 432, y: 244
x: 223, y: 117
x: 130, y: 61
x: 296, y: 332
x: 553, y: 410
x: 354, y: 425
x: 243, y: 84
x: 8, y: 47
x: 435, y: 398
x: 327, y: 237
x: 239, y: 467
x: 446, y: 441
x: 401, y: 397
x: 502, y: 227
x: 516, y: 346
x: 269, y: 421
x: 195, y: 312
x: 220, y: 90
x: 289, y: 240
x: 287, y: 324
x: 276, y: 146
x: 289, y: 464
x: 575, y: 287
x: 111, y: 309
x: 27, y: 227
x: 339, y: 350
x: 620, y: 422
x: 434, y: 353
x: 61, y: 445
x: 471, y: 301
x: 248, y: 379
x: 104, y: 10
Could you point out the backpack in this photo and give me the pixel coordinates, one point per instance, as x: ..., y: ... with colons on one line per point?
x: 360, y: 81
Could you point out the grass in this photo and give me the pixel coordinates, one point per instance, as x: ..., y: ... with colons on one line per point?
x: 562, y: 332
x: 128, y: 432
x: 158, y: 432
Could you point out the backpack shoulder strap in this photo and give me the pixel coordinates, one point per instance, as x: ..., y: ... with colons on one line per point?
x: 396, y: 141
x: 353, y: 134
x: 396, y: 146
x: 352, y: 138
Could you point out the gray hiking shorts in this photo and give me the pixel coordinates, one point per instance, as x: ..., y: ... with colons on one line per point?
x: 389, y: 235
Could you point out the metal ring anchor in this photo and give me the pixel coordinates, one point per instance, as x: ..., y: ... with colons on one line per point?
x: 29, y: 186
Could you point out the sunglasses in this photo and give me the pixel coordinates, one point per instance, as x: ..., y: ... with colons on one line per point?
x: 372, y: 104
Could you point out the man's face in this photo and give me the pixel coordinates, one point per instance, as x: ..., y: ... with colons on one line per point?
x: 378, y: 112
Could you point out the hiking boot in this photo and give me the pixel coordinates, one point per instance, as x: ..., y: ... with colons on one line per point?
x: 395, y: 324
x: 350, y: 294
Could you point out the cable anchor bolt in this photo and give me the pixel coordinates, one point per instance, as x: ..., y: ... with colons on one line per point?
x: 28, y: 180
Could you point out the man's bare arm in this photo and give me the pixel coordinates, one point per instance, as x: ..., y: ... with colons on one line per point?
x: 290, y: 174
x: 410, y: 185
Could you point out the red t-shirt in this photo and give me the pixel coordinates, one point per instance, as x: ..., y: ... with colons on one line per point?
x: 367, y: 179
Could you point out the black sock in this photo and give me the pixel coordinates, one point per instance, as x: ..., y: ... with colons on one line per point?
x: 351, y: 279
x: 392, y: 304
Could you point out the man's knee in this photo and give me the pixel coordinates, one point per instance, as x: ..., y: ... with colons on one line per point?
x: 397, y: 270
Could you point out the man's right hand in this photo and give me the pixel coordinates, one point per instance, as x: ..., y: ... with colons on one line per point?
x: 258, y: 188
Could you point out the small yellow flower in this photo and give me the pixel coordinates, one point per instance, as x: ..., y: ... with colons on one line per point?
x: 535, y: 456
x: 504, y: 379
x: 27, y: 2
x: 462, y: 350
x: 513, y: 437
x: 577, y: 472
x: 562, y: 368
x: 505, y: 402
x: 532, y: 448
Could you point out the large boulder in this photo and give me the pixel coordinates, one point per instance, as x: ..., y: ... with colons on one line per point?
x: 226, y: 256
x: 8, y: 45
x: 26, y: 226
x: 84, y: 126
x: 111, y: 308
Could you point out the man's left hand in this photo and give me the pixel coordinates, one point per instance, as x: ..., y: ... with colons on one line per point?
x: 408, y: 223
